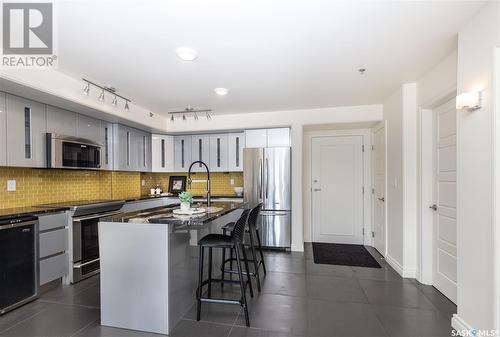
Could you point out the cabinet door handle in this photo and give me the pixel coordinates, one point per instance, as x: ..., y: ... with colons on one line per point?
x: 237, y: 151
x: 218, y: 152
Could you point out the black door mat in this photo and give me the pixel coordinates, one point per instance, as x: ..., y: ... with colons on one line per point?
x: 344, y: 255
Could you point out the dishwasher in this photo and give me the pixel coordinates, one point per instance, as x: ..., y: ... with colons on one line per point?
x: 19, y: 274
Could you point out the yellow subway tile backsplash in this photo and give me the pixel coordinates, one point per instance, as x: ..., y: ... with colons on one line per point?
x: 42, y: 186
x: 220, y: 182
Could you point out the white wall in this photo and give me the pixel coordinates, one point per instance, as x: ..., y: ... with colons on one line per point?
x: 296, y: 119
x: 400, y: 115
x: 475, y: 170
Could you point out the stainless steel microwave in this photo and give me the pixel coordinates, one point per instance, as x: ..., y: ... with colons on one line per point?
x: 72, y: 152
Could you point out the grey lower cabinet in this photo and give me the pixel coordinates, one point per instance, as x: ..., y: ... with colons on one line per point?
x: 3, y: 131
x: 26, y: 128
x: 218, y: 153
x: 61, y: 121
x: 131, y: 149
x: 53, y: 243
x: 182, y: 153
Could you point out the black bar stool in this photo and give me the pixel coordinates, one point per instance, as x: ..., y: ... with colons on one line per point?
x: 233, y: 241
x: 253, y: 235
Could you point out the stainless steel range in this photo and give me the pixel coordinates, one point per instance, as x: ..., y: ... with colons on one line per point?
x: 84, y: 240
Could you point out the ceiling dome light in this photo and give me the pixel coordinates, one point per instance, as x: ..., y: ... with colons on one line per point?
x: 186, y: 54
x: 221, y: 91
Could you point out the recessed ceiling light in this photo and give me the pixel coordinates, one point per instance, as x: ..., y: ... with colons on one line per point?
x: 186, y: 54
x: 221, y: 91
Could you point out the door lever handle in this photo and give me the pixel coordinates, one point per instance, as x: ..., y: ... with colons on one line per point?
x: 317, y: 189
x: 433, y: 207
x: 381, y: 199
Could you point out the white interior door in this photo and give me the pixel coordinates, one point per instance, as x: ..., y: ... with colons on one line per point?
x: 445, y: 196
x: 337, y: 189
x: 379, y: 212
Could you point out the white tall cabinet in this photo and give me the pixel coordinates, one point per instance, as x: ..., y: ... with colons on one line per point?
x: 162, y: 153
x: 26, y: 129
x: 278, y: 137
x: 3, y: 131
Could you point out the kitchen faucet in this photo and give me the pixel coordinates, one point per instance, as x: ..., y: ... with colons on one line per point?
x: 208, y: 178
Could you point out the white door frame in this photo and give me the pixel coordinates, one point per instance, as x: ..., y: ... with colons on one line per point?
x: 376, y: 128
x: 367, y: 176
x: 425, y: 184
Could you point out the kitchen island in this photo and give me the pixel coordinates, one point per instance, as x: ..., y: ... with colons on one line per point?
x: 149, y: 264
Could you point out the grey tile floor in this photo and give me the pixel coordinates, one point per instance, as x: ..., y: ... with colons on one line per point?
x: 298, y: 298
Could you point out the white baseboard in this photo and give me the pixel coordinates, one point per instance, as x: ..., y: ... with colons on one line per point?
x: 459, y: 324
x: 406, y: 273
x: 297, y: 248
x: 394, y: 264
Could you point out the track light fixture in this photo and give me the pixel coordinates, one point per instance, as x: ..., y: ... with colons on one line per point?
x: 189, y: 110
x: 105, y: 89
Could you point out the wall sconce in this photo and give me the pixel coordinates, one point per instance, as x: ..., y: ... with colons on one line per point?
x: 469, y: 101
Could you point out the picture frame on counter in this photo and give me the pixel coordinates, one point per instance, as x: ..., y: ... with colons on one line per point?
x: 177, y: 184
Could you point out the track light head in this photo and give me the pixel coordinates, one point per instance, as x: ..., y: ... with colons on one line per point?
x: 172, y: 118
x: 115, y: 102
x: 86, y: 89
x: 183, y: 117
x: 127, y: 108
x: 101, y: 96
x: 209, y: 117
x: 195, y: 116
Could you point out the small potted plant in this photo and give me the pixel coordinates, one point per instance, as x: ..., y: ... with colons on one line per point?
x: 186, y: 199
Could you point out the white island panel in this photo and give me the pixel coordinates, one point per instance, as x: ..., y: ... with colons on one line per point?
x: 134, y: 276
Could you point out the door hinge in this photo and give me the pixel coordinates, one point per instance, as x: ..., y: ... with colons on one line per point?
x: 362, y: 148
x: 373, y: 234
x: 373, y: 191
x: 363, y: 190
x: 373, y: 148
x: 363, y: 231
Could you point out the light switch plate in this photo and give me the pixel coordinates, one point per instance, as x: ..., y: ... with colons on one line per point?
x: 11, y: 185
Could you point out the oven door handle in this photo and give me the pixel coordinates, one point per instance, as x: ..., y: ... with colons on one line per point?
x: 80, y: 265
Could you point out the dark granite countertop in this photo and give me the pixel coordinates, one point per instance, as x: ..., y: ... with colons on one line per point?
x: 164, y: 215
x: 16, y: 212
x: 148, y: 197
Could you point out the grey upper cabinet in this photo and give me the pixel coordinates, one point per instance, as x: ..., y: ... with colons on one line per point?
x: 182, y: 153
x: 142, y: 142
x: 131, y: 149
x: 3, y: 131
x: 61, y: 121
x: 218, y: 153
x: 26, y: 128
x: 89, y: 128
x: 107, y: 141
x: 236, y: 144
x: 200, y: 150
x: 162, y: 150
x: 122, y: 146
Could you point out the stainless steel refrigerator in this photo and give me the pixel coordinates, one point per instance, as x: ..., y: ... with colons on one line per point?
x: 267, y: 179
